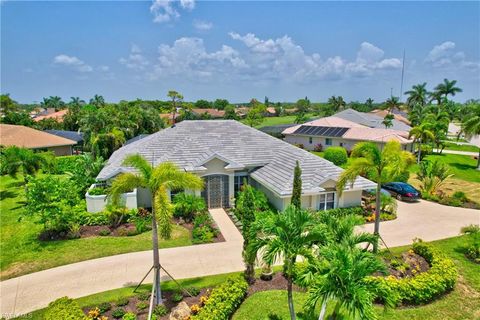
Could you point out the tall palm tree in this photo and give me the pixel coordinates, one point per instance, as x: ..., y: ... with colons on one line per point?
x: 471, y: 124
x: 342, y: 278
x: 53, y: 102
x: 422, y: 134
x: 76, y: 102
x: 369, y: 103
x: 286, y: 235
x: 382, y: 166
x: 158, y: 180
x: 392, y: 103
x: 440, y: 119
x: 97, y: 101
x: 417, y: 95
x: 447, y: 88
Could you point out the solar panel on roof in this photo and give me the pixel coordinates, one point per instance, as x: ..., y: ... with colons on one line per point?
x: 321, y: 131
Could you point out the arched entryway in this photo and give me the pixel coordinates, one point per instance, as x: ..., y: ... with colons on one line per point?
x: 216, y: 192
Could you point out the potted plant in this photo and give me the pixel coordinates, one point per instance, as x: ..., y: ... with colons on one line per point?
x: 267, y: 273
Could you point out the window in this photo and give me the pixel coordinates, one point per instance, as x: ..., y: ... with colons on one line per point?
x: 238, y: 183
x: 341, y: 144
x: 310, y: 140
x: 327, y: 201
x: 328, y: 141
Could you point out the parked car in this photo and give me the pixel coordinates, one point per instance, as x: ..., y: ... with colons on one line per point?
x: 402, y: 191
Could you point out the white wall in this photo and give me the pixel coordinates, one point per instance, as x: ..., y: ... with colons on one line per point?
x: 350, y: 199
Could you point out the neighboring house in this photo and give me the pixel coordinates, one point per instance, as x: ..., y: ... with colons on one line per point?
x: 333, y: 131
x: 214, y: 113
x: 225, y: 152
x: 276, y: 130
x: 270, y: 112
x: 58, y: 116
x: 397, y: 115
x: 370, y: 120
x: 25, y: 137
x: 71, y: 135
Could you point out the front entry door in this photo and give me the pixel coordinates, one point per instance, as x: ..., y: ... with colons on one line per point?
x: 216, y: 192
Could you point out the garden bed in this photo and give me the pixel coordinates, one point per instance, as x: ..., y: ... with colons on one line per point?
x: 408, y: 264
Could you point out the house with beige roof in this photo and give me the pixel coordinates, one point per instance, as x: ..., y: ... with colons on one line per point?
x: 335, y: 131
x: 225, y: 153
x: 25, y: 137
x: 57, y: 116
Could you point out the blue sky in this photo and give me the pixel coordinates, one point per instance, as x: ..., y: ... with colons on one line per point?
x: 235, y: 50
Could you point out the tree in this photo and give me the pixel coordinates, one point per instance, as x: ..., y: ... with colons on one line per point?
x: 439, y: 120
x: 297, y: 187
x: 220, y: 104
x: 381, y: 165
x: 98, y: 101
x: 158, y: 180
x: 255, y: 116
x: 417, y: 95
x: 203, y: 104
x: 17, y: 160
x: 7, y: 104
x: 247, y: 216
x: 176, y: 102
x: 447, y: 88
x: 53, y: 102
x: 369, y: 103
x: 388, y: 120
x: 432, y: 175
x: 336, y: 103
x: 342, y: 278
x: 20, y: 118
x: 422, y: 134
x: 471, y: 123
x: 286, y: 236
x: 230, y: 113
x: 392, y: 103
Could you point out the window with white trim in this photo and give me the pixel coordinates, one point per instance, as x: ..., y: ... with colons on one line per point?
x: 238, y: 183
x: 327, y: 201
x: 328, y: 141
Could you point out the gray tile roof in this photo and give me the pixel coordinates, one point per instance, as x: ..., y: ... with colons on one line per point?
x: 192, y: 143
x: 72, y: 135
x: 370, y: 120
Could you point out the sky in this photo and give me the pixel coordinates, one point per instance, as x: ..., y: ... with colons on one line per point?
x: 236, y: 50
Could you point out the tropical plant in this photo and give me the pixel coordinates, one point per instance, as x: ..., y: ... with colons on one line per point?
x: 296, y: 200
x: 336, y: 103
x: 187, y: 205
x: 381, y: 166
x: 176, y: 102
x: 392, y: 103
x: 422, y: 134
x: 388, y: 203
x: 471, y: 123
x: 473, y: 248
x: 447, y: 88
x: 158, y: 180
x: 52, y: 102
x: 286, y: 235
x: 15, y: 160
x: 388, y: 120
x: 97, y: 101
x: 417, y: 95
x: 432, y: 175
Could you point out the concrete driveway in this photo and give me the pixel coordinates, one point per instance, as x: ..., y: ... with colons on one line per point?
x: 426, y: 220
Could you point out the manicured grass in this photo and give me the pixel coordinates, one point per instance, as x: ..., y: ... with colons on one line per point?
x: 462, y: 303
x: 460, y: 147
x: 22, y: 252
x: 273, y: 121
x: 322, y: 153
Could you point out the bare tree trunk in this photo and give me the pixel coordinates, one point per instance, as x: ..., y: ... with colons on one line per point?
x: 323, y: 311
x: 376, y: 230
x: 156, y: 258
x: 419, y: 151
x: 290, y: 298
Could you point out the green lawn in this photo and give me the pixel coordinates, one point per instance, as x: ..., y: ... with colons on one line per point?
x: 321, y: 154
x: 23, y: 253
x: 460, y: 147
x: 273, y: 121
x: 462, y: 303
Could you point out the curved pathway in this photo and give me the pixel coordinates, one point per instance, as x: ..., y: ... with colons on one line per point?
x: 20, y: 295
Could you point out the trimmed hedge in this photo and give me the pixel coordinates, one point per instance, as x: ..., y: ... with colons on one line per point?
x: 224, y: 300
x: 65, y: 309
x: 337, y: 155
x: 424, y: 287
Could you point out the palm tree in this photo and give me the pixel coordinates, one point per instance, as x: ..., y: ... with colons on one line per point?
x: 388, y: 120
x: 158, y: 180
x: 17, y: 160
x: 286, y: 236
x: 369, y: 103
x: 447, y: 88
x: 342, y: 277
x: 382, y: 166
x: 440, y: 119
x: 337, y: 103
x: 471, y: 124
x: 417, y: 95
x: 422, y: 134
x: 97, y: 101
x: 76, y: 102
x: 392, y: 103
x: 435, y: 96
x: 53, y: 102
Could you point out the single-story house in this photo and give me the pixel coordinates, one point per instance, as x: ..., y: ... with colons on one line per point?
x: 334, y: 131
x: 397, y: 115
x: 214, y: 113
x: 76, y: 136
x: 226, y: 152
x: 371, y: 120
x: 25, y: 137
x: 57, y: 116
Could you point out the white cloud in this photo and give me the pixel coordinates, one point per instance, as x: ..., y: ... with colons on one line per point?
x: 135, y: 59
x: 444, y: 55
x: 73, y: 62
x: 104, y: 68
x: 166, y: 10
x: 202, y: 25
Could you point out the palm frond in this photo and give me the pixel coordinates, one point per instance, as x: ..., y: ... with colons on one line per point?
x: 140, y: 163
x: 163, y: 212
x: 125, y: 182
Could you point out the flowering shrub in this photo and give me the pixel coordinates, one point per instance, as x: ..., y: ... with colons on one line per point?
x: 424, y: 287
x: 223, y: 301
x: 318, y: 148
x: 95, y: 314
x: 64, y: 308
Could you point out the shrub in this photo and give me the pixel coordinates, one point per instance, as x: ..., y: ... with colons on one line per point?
x: 129, y: 316
x: 98, y: 191
x: 142, y: 305
x: 461, y: 196
x: 337, y: 155
x: 187, y: 205
x: 432, y: 175
x: 424, y: 287
x: 64, y: 308
x: 203, y: 229
x: 224, y: 300
x: 260, y: 199
x: 143, y: 296
x: 318, y: 148
x: 92, y: 219
x: 300, y: 145
x: 104, y: 232
x: 160, y: 310
x: 118, y: 313
x: 122, y: 302
x: 177, y: 297
x: 194, y: 291
x: 472, y: 250
x: 104, y: 307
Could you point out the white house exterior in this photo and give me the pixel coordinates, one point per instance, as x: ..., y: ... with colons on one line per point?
x: 225, y: 152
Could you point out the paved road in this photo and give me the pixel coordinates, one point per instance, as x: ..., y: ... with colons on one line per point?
x: 33, y: 291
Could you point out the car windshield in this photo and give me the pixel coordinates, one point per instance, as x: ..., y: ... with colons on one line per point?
x: 408, y: 188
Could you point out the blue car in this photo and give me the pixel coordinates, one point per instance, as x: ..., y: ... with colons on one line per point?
x: 402, y: 191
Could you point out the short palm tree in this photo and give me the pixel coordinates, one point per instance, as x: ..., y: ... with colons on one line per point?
x: 388, y: 120
x: 342, y: 278
x: 286, y: 235
x: 422, y: 134
x: 158, y: 180
x: 17, y: 160
x: 381, y: 166
x: 471, y: 124
x: 417, y: 95
x: 447, y: 88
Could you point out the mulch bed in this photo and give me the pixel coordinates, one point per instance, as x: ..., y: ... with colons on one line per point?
x: 412, y: 264
x: 278, y: 282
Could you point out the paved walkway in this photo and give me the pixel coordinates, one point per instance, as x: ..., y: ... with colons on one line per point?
x: 426, y: 220
x: 464, y: 153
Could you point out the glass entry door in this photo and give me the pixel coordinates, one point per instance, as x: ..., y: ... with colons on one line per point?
x: 216, y: 191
